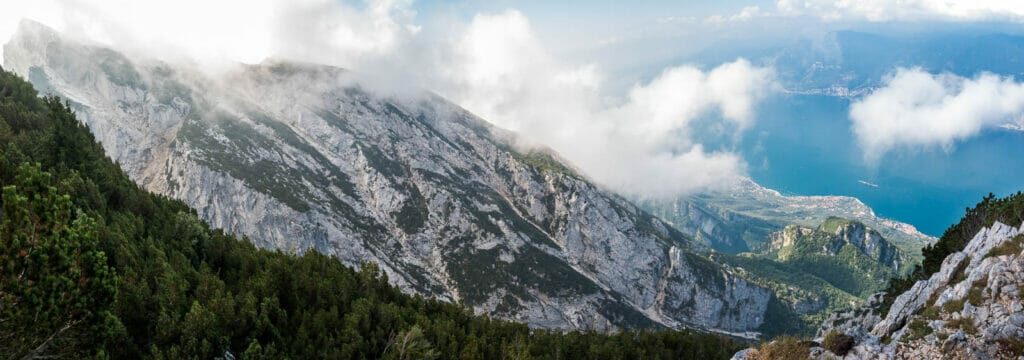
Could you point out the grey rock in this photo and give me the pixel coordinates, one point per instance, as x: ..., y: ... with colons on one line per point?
x: 997, y: 315
x: 301, y: 157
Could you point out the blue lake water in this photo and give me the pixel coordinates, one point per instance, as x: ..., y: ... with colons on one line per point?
x: 803, y: 145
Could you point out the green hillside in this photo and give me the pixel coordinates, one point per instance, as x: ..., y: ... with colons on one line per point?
x: 816, y: 271
x: 93, y: 266
x: 838, y: 262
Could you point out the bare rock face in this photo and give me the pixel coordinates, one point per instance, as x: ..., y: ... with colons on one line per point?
x: 970, y: 309
x: 300, y: 157
x: 857, y: 322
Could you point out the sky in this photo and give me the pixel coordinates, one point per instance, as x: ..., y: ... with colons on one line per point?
x: 623, y: 90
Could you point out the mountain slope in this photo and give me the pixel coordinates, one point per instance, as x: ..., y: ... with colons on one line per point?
x: 845, y: 253
x: 817, y: 271
x: 300, y: 157
x: 93, y: 266
x: 741, y: 217
x: 970, y: 308
x: 964, y: 303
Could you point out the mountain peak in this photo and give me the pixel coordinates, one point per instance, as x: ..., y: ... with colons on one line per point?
x: 298, y: 159
x: 27, y: 45
x: 970, y: 308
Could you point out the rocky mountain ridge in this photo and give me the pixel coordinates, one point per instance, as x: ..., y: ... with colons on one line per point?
x: 832, y: 235
x: 300, y: 157
x: 820, y: 270
x: 970, y: 309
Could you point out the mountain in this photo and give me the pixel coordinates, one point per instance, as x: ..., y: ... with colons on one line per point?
x: 970, y: 308
x: 964, y: 302
x: 300, y: 157
x: 845, y: 253
x: 743, y: 215
x: 96, y: 267
x: 821, y: 270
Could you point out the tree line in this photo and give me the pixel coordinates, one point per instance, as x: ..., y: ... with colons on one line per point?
x: 93, y: 266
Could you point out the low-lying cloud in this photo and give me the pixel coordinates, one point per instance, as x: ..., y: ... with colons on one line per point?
x: 219, y: 33
x: 643, y: 143
x: 916, y: 109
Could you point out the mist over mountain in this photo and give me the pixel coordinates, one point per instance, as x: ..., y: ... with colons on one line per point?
x: 541, y: 180
x: 300, y: 157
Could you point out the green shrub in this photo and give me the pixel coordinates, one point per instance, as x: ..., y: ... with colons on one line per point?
x: 917, y: 329
x: 953, y: 306
x: 974, y: 295
x: 965, y: 324
x: 783, y: 348
x: 838, y: 343
x: 1012, y: 247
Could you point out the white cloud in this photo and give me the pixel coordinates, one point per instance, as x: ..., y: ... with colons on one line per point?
x: 216, y: 32
x: 45, y: 11
x: 916, y: 109
x: 641, y: 145
x: 495, y: 66
x: 887, y: 10
x: 746, y: 14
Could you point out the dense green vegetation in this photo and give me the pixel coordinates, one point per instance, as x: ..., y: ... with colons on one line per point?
x: 1008, y: 210
x: 93, y: 266
x: 790, y: 285
x: 816, y: 274
x: 842, y: 264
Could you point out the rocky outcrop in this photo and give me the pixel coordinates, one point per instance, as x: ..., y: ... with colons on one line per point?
x: 868, y: 241
x: 300, y: 157
x: 832, y: 235
x: 722, y: 230
x: 950, y: 283
x: 969, y: 309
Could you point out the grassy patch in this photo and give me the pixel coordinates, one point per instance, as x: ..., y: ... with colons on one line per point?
x: 965, y: 324
x: 953, y: 306
x: 930, y: 313
x: 1011, y: 247
x: 543, y: 161
x: 974, y: 296
x: 1011, y: 347
x: 917, y: 329
x: 960, y: 273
